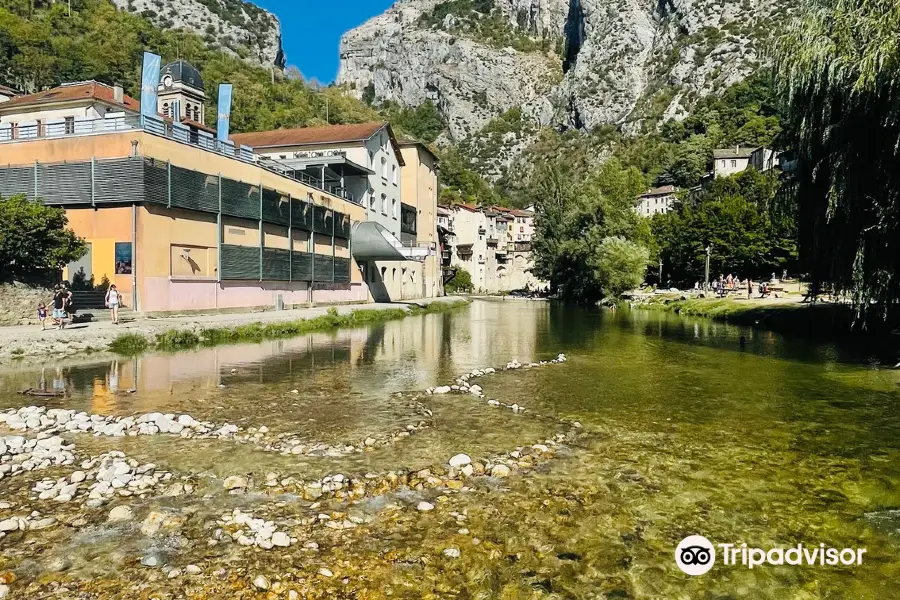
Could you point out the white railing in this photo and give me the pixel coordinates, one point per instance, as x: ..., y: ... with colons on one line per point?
x: 117, y: 122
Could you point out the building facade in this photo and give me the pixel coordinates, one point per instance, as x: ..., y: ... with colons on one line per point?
x: 656, y: 201
x: 494, y: 245
x: 729, y: 161
x: 395, y: 182
x: 177, y: 221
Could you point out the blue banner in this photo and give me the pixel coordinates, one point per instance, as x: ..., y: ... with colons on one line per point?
x: 224, y: 120
x: 149, y: 84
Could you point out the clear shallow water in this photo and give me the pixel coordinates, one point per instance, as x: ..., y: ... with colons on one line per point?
x: 772, y: 443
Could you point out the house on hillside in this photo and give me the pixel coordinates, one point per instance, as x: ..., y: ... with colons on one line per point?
x: 729, y: 161
x: 656, y: 201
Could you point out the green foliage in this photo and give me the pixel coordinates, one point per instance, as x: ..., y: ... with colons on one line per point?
x: 735, y: 215
x: 34, y: 238
x: 129, y: 344
x: 461, y: 184
x: 839, y: 74
x: 587, y: 235
x: 461, y: 283
x: 46, y: 47
x: 424, y: 123
x: 619, y: 265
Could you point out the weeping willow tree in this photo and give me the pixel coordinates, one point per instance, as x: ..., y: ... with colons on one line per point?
x: 838, y: 71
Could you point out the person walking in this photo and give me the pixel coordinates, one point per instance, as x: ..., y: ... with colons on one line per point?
x: 749, y: 287
x: 113, y: 300
x: 60, y: 301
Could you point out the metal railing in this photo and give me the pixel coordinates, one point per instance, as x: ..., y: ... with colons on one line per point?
x: 78, y: 126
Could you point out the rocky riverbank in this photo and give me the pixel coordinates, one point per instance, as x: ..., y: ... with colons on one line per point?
x: 52, y: 491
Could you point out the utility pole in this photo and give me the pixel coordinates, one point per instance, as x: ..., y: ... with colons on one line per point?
x: 660, y: 271
x: 708, y: 253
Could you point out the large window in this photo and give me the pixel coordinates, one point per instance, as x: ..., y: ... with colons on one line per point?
x: 384, y: 168
x: 394, y: 209
x: 383, y: 204
x: 394, y: 174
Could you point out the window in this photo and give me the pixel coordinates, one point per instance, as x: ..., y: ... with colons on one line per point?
x: 40, y: 128
x: 733, y: 164
x: 384, y: 168
x: 70, y: 125
x: 394, y: 208
x: 383, y: 204
x: 371, y: 200
x: 14, y: 130
x: 394, y: 174
x: 166, y: 110
x: 197, y: 113
x: 371, y: 158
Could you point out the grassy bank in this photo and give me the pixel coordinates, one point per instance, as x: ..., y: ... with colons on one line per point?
x: 130, y: 344
x: 808, y: 320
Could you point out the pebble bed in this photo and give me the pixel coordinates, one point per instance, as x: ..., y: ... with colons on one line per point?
x: 113, y: 476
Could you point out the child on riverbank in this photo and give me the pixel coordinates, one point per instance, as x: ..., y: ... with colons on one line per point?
x: 42, y: 315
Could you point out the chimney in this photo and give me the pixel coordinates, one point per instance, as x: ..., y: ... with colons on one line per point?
x: 118, y: 94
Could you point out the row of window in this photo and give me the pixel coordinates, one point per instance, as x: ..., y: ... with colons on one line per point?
x: 373, y: 205
x: 40, y: 128
x: 191, y: 111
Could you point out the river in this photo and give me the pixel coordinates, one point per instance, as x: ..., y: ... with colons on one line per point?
x: 684, y: 426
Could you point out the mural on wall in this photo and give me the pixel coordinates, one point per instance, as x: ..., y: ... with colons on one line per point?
x: 123, y: 258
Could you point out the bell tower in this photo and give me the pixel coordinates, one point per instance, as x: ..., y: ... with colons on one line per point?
x: 181, y: 88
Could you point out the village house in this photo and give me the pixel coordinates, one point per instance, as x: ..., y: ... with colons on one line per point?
x: 494, y: 244
x: 656, y: 201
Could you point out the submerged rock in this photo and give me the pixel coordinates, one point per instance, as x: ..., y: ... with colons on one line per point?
x: 425, y: 506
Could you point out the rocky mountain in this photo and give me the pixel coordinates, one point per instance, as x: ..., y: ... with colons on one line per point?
x: 241, y: 28
x: 564, y: 63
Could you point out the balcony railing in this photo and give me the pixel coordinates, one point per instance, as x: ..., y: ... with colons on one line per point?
x: 81, y: 126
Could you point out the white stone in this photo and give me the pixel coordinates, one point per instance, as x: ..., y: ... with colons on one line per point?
x: 120, y: 513
x: 452, y: 553
x: 325, y: 572
x: 425, y: 506
x: 261, y: 582
x: 460, y: 460
x: 444, y: 389
x: 192, y: 570
x: 279, y: 538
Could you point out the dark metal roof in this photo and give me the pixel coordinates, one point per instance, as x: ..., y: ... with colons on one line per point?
x: 184, y: 72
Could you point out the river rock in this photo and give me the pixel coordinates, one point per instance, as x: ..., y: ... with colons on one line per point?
x: 11, y: 524
x: 460, y: 460
x: 235, y: 482
x: 500, y: 471
x: 261, y: 582
x: 279, y: 538
x: 192, y: 570
x: 444, y: 389
x: 325, y: 572
x: 425, y: 506
x: 452, y: 553
x: 151, y: 560
x: 78, y: 477
x: 120, y: 513
x: 4, y: 591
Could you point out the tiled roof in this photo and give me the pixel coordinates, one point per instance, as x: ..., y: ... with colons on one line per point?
x: 522, y: 213
x: 665, y: 190
x: 733, y: 152
x: 468, y: 207
x: 88, y: 90
x: 304, y: 136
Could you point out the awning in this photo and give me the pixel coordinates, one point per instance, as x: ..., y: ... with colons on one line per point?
x: 372, y: 241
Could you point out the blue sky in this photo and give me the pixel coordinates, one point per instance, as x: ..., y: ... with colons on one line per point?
x: 312, y: 31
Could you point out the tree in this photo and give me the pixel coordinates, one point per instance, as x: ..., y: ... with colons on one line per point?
x: 736, y: 217
x: 461, y: 282
x: 587, y: 233
x: 838, y: 72
x: 34, y: 238
x: 424, y: 123
x: 619, y: 265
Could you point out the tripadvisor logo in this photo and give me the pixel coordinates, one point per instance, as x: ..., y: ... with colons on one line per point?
x: 695, y: 555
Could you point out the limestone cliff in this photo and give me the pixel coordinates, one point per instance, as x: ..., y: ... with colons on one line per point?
x: 241, y: 28
x: 569, y: 63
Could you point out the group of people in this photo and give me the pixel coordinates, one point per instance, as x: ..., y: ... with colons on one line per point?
x: 732, y: 283
x: 64, y: 306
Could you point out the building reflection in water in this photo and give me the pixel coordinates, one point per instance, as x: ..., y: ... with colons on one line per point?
x: 410, y: 353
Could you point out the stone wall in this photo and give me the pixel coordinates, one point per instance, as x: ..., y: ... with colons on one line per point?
x: 18, y: 303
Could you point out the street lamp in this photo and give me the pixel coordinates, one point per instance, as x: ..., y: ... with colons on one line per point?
x: 708, y: 253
